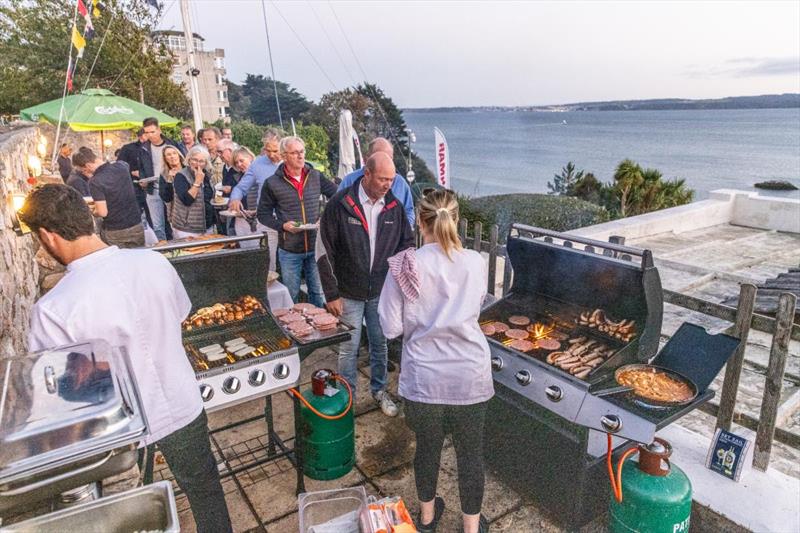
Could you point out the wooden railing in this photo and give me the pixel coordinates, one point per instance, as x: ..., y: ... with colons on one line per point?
x: 742, y: 319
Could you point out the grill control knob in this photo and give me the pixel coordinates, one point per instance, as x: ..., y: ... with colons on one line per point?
x: 231, y: 385
x: 257, y: 378
x: 206, y: 392
x: 554, y: 394
x: 523, y: 377
x: 611, y: 423
x: 497, y: 364
x: 281, y: 371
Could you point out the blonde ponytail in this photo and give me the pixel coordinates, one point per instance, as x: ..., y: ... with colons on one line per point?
x: 438, y: 213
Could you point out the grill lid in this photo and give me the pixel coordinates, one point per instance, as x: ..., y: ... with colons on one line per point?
x: 63, y: 404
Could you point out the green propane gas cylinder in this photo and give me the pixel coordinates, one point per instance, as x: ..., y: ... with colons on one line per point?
x: 656, y: 495
x: 328, y: 443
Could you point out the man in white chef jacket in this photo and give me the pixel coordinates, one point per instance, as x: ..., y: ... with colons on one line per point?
x: 135, y: 299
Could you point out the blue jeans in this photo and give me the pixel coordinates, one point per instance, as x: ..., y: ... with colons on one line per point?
x: 292, y: 268
x: 155, y: 205
x: 354, y: 312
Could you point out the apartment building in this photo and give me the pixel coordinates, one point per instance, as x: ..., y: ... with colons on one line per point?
x: 210, y: 72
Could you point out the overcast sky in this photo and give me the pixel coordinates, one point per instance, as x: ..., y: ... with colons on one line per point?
x: 458, y: 53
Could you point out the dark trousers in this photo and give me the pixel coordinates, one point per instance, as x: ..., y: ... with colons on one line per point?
x: 431, y: 422
x: 188, y: 454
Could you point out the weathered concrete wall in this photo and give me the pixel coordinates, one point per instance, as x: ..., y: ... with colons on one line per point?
x: 19, y: 272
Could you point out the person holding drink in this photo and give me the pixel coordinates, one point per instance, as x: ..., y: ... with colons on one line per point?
x: 192, y: 213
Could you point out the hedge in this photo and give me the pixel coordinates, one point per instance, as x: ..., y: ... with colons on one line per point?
x: 559, y: 213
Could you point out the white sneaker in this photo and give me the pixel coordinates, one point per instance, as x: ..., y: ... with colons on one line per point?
x: 388, y: 406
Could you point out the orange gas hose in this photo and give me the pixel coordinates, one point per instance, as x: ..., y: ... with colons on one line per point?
x: 616, y: 485
x: 299, y: 396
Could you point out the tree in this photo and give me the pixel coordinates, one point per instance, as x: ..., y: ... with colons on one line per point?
x: 562, y: 183
x: 627, y: 178
x: 260, y: 101
x: 588, y: 188
x: 374, y: 115
x: 34, y: 35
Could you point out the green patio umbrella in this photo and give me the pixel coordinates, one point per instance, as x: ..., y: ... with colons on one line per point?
x: 96, y: 110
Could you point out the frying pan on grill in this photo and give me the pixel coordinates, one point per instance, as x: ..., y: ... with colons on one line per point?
x: 653, y: 369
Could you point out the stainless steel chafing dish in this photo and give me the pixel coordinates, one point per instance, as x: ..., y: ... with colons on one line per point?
x: 148, y: 508
x: 69, y: 416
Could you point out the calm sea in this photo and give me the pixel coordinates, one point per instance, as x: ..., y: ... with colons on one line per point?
x: 494, y: 152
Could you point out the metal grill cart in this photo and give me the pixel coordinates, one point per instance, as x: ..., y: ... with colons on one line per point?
x: 580, y: 309
x: 224, y: 275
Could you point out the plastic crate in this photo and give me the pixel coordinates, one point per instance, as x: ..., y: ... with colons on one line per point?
x: 333, y: 511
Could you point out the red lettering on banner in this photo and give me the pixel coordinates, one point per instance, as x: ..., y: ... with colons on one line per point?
x: 442, y: 167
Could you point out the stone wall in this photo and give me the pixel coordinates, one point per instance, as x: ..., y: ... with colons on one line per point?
x: 19, y: 272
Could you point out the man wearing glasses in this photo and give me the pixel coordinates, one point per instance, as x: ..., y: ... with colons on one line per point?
x: 289, y: 204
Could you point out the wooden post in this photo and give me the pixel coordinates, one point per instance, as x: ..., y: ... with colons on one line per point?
x: 492, y: 258
x: 462, y: 231
x: 477, y: 236
x: 774, y: 381
x: 733, y: 369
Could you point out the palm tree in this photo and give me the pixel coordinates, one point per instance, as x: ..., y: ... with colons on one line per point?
x: 627, y: 178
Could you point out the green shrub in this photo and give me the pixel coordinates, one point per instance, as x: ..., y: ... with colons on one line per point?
x: 559, y: 213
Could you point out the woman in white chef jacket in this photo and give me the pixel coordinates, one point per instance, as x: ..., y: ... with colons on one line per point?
x: 432, y: 298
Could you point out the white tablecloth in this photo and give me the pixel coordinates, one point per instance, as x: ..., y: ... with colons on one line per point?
x: 278, y: 296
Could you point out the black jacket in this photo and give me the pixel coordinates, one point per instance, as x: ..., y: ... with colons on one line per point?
x: 280, y: 202
x: 343, y: 247
x: 144, y: 162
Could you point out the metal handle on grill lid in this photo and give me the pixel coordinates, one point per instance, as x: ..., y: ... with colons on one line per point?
x: 497, y: 363
x: 523, y: 377
x: 611, y: 423
x: 554, y: 393
x: 50, y: 379
x: 231, y: 385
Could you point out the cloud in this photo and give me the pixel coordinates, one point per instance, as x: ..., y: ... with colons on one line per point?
x: 747, y: 67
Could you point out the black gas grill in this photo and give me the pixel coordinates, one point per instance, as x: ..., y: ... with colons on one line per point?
x: 546, y: 430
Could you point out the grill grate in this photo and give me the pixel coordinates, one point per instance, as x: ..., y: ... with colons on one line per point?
x: 260, y: 332
x: 558, y: 319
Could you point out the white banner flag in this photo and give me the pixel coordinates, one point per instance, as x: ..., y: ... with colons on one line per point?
x: 442, y: 159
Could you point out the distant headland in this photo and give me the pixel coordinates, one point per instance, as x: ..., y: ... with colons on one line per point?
x: 764, y: 101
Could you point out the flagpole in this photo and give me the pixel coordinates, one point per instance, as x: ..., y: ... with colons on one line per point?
x: 197, y: 111
x: 64, y: 93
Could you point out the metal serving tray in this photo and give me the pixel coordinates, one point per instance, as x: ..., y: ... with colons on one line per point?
x: 148, y: 508
x: 65, y: 412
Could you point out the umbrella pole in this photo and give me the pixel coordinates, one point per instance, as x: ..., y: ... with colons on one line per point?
x: 103, y: 144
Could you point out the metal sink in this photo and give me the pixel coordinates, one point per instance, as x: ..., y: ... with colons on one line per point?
x: 148, y: 508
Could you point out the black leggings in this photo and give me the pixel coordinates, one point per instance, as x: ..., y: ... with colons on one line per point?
x: 431, y: 422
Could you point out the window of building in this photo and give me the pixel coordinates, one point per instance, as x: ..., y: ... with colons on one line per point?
x: 198, y: 44
x: 175, y: 42
x: 219, y: 62
x: 222, y: 95
x: 222, y: 112
x: 220, y: 81
x: 177, y: 76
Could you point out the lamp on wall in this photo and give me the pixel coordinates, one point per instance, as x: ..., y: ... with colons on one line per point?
x: 34, y: 166
x: 41, y: 148
x: 16, y: 201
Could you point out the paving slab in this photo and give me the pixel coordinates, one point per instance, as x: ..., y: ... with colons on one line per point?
x: 382, y: 443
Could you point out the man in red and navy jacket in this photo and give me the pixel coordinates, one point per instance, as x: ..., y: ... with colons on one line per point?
x: 361, y: 227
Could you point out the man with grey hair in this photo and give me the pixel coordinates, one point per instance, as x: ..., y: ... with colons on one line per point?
x: 289, y: 204
x: 400, y: 188
x: 249, y: 187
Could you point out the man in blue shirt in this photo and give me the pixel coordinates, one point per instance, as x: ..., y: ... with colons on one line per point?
x: 400, y: 188
x: 260, y: 169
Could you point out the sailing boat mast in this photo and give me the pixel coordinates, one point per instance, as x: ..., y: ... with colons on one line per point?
x: 193, y: 72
